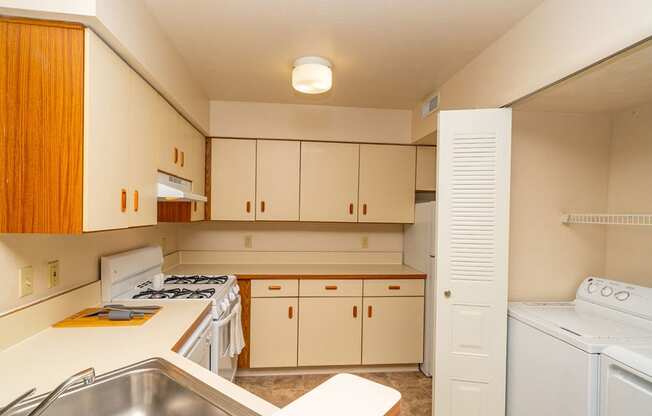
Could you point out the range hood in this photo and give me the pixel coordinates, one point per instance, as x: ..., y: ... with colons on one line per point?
x: 172, y: 188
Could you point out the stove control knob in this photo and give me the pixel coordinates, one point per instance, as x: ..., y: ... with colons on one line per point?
x: 606, y: 291
x: 623, y: 295
x: 592, y: 288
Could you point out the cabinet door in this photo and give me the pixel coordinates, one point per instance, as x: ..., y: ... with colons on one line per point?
x: 143, y: 151
x: 387, y: 183
x: 169, y: 152
x: 329, y: 181
x: 277, y: 180
x: 106, y: 137
x: 233, y: 179
x: 273, y: 332
x: 329, y: 331
x: 197, y: 165
x: 426, y: 168
x: 392, y: 330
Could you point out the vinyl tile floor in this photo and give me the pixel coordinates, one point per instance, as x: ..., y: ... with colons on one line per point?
x: 415, y: 388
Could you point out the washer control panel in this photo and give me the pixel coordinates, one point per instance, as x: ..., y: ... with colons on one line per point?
x: 625, y: 297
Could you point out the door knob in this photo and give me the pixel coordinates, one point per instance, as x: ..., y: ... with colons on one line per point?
x: 447, y: 293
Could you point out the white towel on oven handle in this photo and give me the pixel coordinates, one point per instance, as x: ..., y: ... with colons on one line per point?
x: 236, y: 335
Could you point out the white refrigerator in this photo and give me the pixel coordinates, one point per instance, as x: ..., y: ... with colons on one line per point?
x: 419, y: 248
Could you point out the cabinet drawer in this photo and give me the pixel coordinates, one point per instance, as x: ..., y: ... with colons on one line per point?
x: 274, y: 288
x: 331, y: 287
x: 394, y: 287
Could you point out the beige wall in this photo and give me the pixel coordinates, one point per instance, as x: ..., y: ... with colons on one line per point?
x: 560, y: 162
x: 78, y: 258
x: 291, y: 237
x: 308, y: 122
x: 130, y: 29
x: 630, y: 191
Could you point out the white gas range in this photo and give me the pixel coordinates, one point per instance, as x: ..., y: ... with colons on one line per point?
x: 136, y: 274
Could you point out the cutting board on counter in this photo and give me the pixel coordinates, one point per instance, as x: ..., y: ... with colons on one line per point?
x: 79, y: 320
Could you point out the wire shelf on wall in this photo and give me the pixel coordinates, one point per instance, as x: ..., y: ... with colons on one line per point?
x: 607, y: 219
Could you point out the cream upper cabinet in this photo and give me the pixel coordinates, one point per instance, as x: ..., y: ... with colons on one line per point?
x: 106, y: 137
x: 197, y: 169
x: 426, y: 168
x: 168, y: 150
x: 330, y: 331
x: 387, y: 183
x: 392, y: 332
x: 277, y: 180
x: 143, y: 148
x: 273, y: 328
x: 329, y: 181
x: 233, y: 179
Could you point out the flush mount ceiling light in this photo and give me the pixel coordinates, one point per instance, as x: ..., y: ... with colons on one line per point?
x: 312, y: 75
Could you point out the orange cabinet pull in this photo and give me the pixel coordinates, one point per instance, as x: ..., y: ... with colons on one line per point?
x: 355, y: 311
x: 394, y: 287
x: 370, y: 311
x: 123, y: 200
x: 183, y: 158
x: 364, y: 209
x: 176, y: 155
x: 136, y: 201
x: 248, y: 206
x: 262, y: 206
x: 351, y: 208
x: 330, y: 287
x: 290, y: 312
x: 274, y: 287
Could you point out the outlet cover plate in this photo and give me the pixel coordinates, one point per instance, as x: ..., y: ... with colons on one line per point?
x: 26, y: 281
x: 53, y: 273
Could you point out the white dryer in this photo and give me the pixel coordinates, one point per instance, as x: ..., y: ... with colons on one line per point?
x: 553, y: 349
x: 626, y: 381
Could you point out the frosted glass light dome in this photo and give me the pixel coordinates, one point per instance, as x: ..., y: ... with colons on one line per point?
x: 312, y: 75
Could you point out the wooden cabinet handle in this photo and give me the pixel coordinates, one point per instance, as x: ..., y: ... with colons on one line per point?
x: 351, y: 208
x: 330, y: 287
x: 394, y: 287
x: 262, y: 206
x: 290, y: 312
x: 183, y: 158
x: 370, y: 311
x: 364, y: 209
x: 195, y: 206
x: 136, y: 203
x: 123, y: 200
x: 176, y: 155
x: 355, y: 311
x: 248, y: 206
x: 274, y: 287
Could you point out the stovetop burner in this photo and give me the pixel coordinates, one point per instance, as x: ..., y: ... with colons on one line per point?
x: 175, y: 293
x: 196, y: 280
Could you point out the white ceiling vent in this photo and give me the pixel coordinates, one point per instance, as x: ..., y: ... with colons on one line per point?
x: 430, y: 105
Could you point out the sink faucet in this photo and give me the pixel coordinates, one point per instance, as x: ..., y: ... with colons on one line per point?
x: 87, y: 377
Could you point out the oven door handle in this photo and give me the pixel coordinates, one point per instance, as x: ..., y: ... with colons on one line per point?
x: 220, y: 323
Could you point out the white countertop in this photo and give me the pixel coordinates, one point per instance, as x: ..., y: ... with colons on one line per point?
x: 49, y: 357
x: 345, y: 270
x: 345, y: 394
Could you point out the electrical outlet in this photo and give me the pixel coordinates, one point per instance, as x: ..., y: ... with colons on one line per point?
x: 25, y: 281
x: 248, y: 241
x: 53, y: 273
x: 365, y: 241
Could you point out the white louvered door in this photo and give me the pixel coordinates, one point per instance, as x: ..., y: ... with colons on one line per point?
x: 473, y: 180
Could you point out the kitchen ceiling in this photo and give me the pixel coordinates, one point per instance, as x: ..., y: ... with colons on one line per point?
x: 385, y: 53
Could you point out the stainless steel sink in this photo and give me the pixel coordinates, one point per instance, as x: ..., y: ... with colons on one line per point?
x: 152, y: 387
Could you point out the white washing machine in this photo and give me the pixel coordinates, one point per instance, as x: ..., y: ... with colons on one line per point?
x: 626, y: 381
x: 553, y: 349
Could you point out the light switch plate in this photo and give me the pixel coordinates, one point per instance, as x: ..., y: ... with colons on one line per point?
x: 365, y: 241
x: 53, y: 273
x: 25, y: 281
x: 248, y: 241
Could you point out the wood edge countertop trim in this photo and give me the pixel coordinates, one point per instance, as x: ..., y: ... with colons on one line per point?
x: 330, y: 276
x: 395, y: 410
x: 192, y: 328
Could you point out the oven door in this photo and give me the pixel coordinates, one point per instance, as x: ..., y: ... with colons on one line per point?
x: 226, y: 329
x: 199, y: 345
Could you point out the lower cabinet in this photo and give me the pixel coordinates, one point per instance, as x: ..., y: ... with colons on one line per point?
x: 330, y: 331
x: 273, y: 332
x: 392, y: 331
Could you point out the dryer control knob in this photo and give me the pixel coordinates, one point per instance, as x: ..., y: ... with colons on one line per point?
x: 623, y: 295
x: 606, y: 291
x: 592, y: 287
